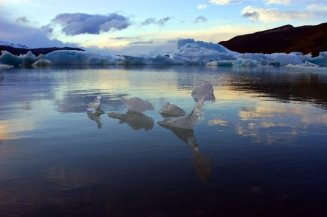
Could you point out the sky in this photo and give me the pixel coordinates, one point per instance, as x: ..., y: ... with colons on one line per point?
x: 148, y: 26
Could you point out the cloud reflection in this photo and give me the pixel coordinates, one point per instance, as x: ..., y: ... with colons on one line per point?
x: 272, y: 121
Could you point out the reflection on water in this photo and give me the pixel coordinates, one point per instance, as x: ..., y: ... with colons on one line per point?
x: 96, y: 116
x: 136, y: 120
x: 202, y: 163
x: 265, y: 132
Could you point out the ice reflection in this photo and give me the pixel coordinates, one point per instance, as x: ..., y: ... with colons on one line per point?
x: 136, y: 120
x: 78, y: 101
x: 202, y: 163
x: 182, y: 127
x: 96, y: 117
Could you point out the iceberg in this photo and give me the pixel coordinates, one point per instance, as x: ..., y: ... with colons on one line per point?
x: 240, y: 62
x: 63, y: 57
x: 171, y: 110
x: 320, y: 60
x: 136, y: 104
x: 183, y: 122
x: 94, y: 107
x: 201, y: 53
x: 275, y: 59
x: 223, y: 63
x: 144, y: 60
x: 203, y: 92
x: 10, y: 59
x: 188, y: 52
x: 42, y: 63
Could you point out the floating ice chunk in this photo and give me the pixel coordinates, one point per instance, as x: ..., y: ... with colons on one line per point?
x: 223, y: 63
x: 307, y: 66
x: 171, y: 110
x: 63, y: 57
x: 28, y: 59
x: 137, y: 105
x: 145, y: 60
x: 184, y: 122
x: 284, y: 59
x: 3, y: 66
x: 42, y: 63
x: 207, y: 45
x: 94, y: 107
x: 320, y: 60
x: 203, y: 92
x: 245, y: 63
x: 10, y: 59
x: 275, y: 59
x: 135, y: 120
x: 21, y: 60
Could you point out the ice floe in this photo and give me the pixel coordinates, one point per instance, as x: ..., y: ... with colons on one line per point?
x: 95, y: 106
x: 201, y: 93
x: 171, y: 110
x: 136, y: 104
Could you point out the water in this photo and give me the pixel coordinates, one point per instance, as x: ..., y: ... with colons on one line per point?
x: 258, y: 150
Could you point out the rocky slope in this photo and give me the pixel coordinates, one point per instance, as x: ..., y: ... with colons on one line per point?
x: 305, y: 39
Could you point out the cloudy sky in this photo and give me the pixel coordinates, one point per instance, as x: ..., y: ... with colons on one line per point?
x: 134, y: 26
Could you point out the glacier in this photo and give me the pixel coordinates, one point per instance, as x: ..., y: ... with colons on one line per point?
x: 187, y: 52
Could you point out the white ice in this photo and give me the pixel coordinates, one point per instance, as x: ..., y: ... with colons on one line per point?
x: 201, y: 53
x: 172, y: 110
x: 203, y: 92
x: 188, y: 52
x: 136, y: 104
x: 94, y: 106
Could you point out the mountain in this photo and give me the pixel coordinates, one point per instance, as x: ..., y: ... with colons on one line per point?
x: 35, y: 51
x: 305, y: 39
x: 12, y: 44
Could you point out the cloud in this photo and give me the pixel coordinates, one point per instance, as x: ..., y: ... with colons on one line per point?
x: 22, y: 20
x: 272, y: 15
x: 200, y: 19
x: 21, y: 34
x: 149, y: 42
x: 282, y: 2
x: 318, y: 9
x: 153, y: 21
x: 202, y: 6
x: 220, y: 2
x: 79, y: 23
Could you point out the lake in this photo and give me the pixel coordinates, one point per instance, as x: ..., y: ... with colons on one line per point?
x: 258, y: 150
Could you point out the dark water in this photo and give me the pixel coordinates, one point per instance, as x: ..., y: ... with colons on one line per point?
x: 259, y: 150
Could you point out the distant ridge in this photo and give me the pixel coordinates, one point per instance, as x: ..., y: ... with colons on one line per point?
x: 305, y: 39
x: 35, y: 51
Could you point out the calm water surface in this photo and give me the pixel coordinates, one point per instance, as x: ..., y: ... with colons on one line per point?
x: 259, y: 150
